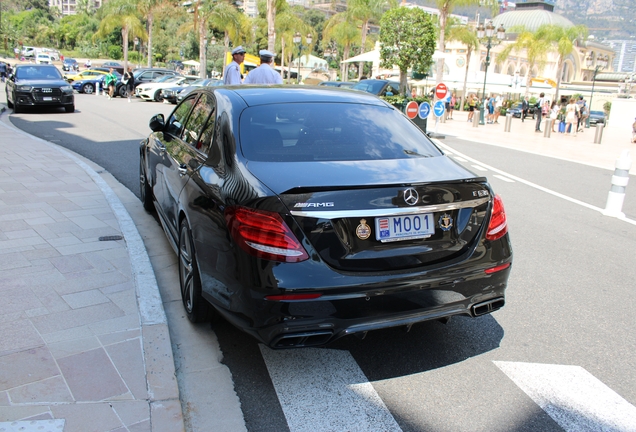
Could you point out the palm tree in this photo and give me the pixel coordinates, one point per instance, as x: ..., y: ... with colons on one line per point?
x: 121, y: 13
x: 287, y: 24
x: 149, y: 9
x: 536, y: 47
x: 272, y: 7
x: 365, y: 11
x: 445, y: 8
x: 225, y: 18
x: 563, y: 42
x: 466, y: 36
x: 345, y: 33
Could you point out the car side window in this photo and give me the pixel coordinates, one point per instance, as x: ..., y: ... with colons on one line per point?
x: 179, y: 116
x: 207, y: 135
x: 196, y: 121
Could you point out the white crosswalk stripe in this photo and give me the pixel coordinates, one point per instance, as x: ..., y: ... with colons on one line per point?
x: 325, y: 390
x: 573, y: 397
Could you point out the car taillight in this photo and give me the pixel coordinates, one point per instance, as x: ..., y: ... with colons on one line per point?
x: 498, y: 225
x: 264, y: 234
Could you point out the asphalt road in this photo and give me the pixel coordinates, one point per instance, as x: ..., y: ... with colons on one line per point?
x: 569, y: 304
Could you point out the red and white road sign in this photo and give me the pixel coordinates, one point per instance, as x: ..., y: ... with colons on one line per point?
x: 412, y: 109
x: 441, y: 91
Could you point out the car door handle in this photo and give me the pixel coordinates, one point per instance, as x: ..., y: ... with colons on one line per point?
x: 183, y: 170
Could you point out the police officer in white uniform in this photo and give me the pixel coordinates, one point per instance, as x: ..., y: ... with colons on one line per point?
x: 232, y: 73
x: 264, y: 74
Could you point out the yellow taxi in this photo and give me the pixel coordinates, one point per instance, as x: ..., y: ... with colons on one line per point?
x: 87, y: 74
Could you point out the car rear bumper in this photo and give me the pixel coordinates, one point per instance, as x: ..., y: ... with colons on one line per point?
x: 382, y: 301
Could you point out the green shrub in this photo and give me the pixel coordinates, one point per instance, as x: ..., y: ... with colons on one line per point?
x: 115, y: 52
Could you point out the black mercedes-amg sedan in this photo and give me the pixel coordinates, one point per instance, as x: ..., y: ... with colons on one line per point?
x: 304, y: 214
x: 38, y: 85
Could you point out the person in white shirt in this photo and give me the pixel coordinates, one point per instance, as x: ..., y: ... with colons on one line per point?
x: 264, y: 74
x: 232, y: 73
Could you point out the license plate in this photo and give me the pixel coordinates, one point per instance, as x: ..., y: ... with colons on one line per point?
x: 405, y: 227
x: 47, y: 98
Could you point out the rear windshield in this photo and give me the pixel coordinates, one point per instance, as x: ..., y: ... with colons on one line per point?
x: 330, y: 132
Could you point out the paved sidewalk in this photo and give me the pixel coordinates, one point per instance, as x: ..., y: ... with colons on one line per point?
x: 85, y: 343
x: 522, y: 136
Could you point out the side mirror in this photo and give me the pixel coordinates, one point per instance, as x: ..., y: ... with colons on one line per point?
x: 157, y: 123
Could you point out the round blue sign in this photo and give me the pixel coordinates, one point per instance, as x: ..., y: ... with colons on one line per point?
x: 439, y: 108
x: 425, y: 110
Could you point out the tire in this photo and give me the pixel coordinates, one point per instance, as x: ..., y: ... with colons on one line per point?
x: 9, y: 103
x: 196, y: 307
x: 88, y: 88
x: 158, y: 97
x: 70, y: 108
x: 16, y: 108
x: 145, y: 191
x: 122, y: 91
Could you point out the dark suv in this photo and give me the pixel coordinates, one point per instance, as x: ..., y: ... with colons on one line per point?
x: 38, y: 85
x: 380, y: 87
x: 144, y: 75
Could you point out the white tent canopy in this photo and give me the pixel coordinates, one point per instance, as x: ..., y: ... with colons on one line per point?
x: 371, y: 56
x: 191, y: 63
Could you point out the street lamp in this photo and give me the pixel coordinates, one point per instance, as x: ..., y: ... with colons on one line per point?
x: 298, y: 41
x: 601, y: 63
x: 488, y: 32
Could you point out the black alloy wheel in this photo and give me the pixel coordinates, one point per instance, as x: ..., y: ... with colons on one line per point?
x: 122, y: 91
x: 145, y: 191
x: 158, y: 97
x: 88, y: 88
x: 196, y: 307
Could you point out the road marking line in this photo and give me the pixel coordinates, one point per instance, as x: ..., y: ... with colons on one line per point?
x: 520, y: 180
x: 506, y: 179
x: 459, y: 158
x: 479, y: 167
x: 324, y: 390
x: 573, y: 397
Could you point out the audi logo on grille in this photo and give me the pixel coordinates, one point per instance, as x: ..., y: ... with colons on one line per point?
x: 411, y: 196
x: 47, y: 90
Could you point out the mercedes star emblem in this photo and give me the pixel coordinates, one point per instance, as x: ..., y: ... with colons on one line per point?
x: 411, y: 197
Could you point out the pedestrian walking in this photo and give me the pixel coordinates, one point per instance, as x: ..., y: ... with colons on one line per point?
x: 472, y: 103
x: 634, y: 131
x: 571, y: 118
x: 554, y: 113
x: 110, y: 81
x: 583, y: 113
x: 232, y: 73
x: 129, y: 82
x: 264, y: 74
x: 3, y: 71
x: 539, y: 111
x: 451, y: 108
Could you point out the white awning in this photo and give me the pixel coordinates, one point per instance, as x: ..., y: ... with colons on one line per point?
x: 371, y: 56
x: 191, y: 63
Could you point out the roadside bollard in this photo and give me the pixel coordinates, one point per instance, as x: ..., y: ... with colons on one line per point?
x: 508, y: 123
x: 598, y: 135
x: 442, y: 119
x: 476, y: 119
x: 547, y: 127
x: 616, y: 195
x: 97, y: 88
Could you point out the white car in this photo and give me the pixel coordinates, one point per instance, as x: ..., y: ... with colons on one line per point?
x: 42, y: 58
x: 152, y: 90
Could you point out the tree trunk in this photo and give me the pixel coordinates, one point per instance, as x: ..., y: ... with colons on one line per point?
x: 150, y: 20
x: 226, y: 43
x: 271, y: 29
x: 282, y: 58
x: 124, y: 36
x: 560, y: 66
x: 365, y: 25
x: 439, y: 73
x: 202, y: 49
x: 469, y: 53
x: 344, y: 67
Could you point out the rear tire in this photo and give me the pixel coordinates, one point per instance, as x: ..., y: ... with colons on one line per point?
x: 144, y: 189
x: 196, y: 307
x: 122, y: 91
x: 88, y: 88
